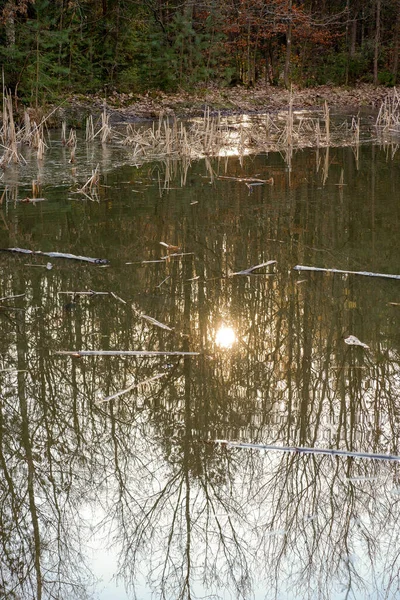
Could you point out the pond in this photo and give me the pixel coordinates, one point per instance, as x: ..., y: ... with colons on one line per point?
x: 130, y: 474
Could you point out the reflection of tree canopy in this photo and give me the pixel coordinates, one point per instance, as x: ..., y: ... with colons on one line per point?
x: 193, y: 516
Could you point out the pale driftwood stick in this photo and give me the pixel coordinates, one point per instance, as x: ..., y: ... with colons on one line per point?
x: 170, y: 246
x: 176, y: 254
x: 88, y: 293
x: 250, y: 270
x: 131, y: 387
x: 303, y: 450
x: 245, y: 179
x: 156, y: 323
x: 97, y: 261
x: 151, y: 320
x: 124, y: 353
x: 367, y: 273
x: 118, y: 298
x: 11, y: 297
x: 93, y: 293
x: 163, y: 281
x: 147, y: 262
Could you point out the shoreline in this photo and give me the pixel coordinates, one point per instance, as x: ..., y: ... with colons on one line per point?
x: 125, y: 108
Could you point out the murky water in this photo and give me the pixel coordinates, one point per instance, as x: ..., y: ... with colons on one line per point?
x: 135, y: 487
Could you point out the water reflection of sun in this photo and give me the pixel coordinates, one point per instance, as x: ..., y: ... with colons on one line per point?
x: 225, y: 337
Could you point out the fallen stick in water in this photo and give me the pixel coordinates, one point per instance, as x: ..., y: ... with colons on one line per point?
x: 248, y: 179
x: 367, y: 273
x: 123, y: 353
x: 93, y: 293
x: 303, y: 450
x: 12, y: 297
x: 97, y: 261
x: 250, y: 270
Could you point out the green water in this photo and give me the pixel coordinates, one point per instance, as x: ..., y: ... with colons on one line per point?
x: 135, y: 486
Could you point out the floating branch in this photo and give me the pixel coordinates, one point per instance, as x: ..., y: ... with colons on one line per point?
x: 118, y: 298
x: 79, y: 353
x: 163, y: 281
x: 250, y: 180
x: 170, y: 246
x: 93, y: 293
x: 153, y: 321
x: 88, y: 293
x: 302, y: 450
x: 11, y: 297
x: 250, y: 270
x: 352, y: 340
x: 96, y: 261
x: 367, y: 273
x: 147, y: 262
x: 177, y: 254
x: 132, y: 387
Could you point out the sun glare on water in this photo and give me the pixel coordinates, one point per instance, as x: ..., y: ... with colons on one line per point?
x: 225, y: 337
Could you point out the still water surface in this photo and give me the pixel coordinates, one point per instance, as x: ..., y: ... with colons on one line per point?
x: 135, y: 487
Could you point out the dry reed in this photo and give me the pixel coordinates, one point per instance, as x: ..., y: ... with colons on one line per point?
x: 90, y: 188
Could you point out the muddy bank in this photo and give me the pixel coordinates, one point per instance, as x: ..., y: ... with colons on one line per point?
x: 123, y: 107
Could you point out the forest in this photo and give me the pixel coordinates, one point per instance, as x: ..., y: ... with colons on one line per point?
x: 50, y: 48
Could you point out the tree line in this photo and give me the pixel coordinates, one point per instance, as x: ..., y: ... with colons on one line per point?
x: 52, y: 47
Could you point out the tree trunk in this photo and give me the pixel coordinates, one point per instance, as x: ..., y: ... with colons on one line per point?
x: 377, y: 38
x: 10, y: 25
x: 396, y: 44
x: 286, y: 75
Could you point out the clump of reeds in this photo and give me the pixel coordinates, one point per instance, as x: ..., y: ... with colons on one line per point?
x: 72, y: 143
x: 105, y: 132
x: 64, y: 133
x: 90, y: 188
x: 36, y: 188
x: 8, y: 134
x: 327, y: 123
x: 36, y: 139
x: 89, y: 129
x: 389, y: 113
x: 215, y: 136
x: 27, y: 129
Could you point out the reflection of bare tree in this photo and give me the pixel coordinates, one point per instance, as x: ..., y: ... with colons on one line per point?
x: 194, y: 518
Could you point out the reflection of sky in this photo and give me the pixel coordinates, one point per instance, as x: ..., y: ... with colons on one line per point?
x: 318, y: 548
x: 324, y: 394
